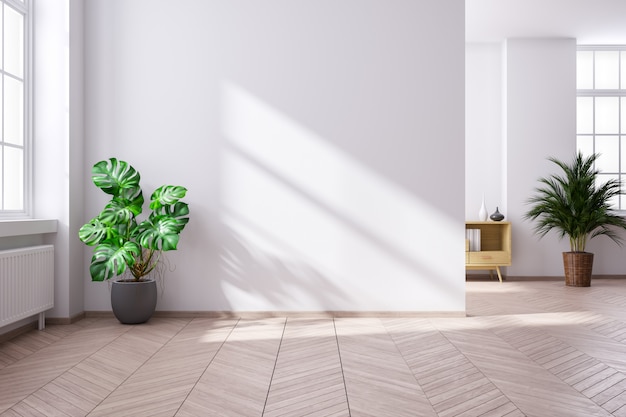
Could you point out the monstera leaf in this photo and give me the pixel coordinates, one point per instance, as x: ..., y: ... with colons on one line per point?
x: 117, y: 178
x: 161, y: 231
x: 122, y: 210
x: 110, y: 259
x: 94, y: 232
x: 177, y: 211
x: 166, y: 195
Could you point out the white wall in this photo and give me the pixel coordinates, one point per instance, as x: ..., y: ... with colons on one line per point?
x: 484, y: 153
x: 57, y: 142
x: 317, y: 140
x: 541, y: 121
x: 75, y: 154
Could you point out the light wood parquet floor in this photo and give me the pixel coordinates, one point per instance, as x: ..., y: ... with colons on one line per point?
x: 527, y: 348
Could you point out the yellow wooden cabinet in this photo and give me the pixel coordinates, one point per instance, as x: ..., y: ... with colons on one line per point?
x: 489, y: 248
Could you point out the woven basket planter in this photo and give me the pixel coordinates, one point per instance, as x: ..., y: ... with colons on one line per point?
x: 578, y: 266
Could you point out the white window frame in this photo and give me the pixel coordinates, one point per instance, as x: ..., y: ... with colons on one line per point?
x: 25, y: 8
x: 618, y: 93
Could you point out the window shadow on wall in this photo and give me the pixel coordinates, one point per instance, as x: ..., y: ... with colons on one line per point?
x: 310, y: 228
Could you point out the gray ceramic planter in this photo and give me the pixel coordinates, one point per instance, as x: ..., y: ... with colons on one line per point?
x: 133, y: 302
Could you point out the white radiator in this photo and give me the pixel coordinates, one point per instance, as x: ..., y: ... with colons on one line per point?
x: 26, y: 283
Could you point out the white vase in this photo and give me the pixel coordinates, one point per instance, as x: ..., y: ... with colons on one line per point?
x: 482, y: 213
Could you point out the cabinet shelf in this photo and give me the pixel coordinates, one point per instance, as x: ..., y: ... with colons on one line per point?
x: 495, y: 247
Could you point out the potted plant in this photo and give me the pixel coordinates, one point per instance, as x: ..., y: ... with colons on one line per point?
x: 126, y: 247
x: 576, y: 205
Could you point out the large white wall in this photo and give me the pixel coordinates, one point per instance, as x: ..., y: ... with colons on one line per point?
x: 321, y: 142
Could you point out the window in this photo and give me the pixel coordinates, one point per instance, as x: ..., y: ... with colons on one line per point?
x: 14, y: 91
x: 601, y: 110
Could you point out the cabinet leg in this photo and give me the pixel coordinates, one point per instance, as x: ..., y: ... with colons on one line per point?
x: 499, y: 274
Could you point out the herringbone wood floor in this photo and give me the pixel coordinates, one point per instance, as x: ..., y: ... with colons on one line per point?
x: 534, y: 348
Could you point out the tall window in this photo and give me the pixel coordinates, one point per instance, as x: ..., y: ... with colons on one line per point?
x: 601, y: 110
x: 14, y: 90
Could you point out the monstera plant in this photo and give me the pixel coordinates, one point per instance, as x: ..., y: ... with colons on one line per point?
x: 122, y: 243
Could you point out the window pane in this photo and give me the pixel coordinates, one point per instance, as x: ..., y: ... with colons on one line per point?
x: 607, y: 114
x: 13, y: 105
x: 13, y: 111
x: 608, y: 148
x: 607, y: 69
x: 14, y: 50
x: 14, y: 179
x: 584, y: 115
x: 584, y: 145
x: 584, y: 70
x: 601, y: 120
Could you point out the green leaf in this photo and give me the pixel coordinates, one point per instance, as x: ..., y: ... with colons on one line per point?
x: 166, y: 195
x: 122, y: 210
x: 93, y: 232
x: 117, y: 178
x: 161, y: 232
x: 110, y: 259
x: 176, y: 211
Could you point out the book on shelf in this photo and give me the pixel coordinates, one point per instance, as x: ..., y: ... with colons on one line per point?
x: 473, y: 235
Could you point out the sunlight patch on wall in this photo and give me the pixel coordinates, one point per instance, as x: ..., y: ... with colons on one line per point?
x: 293, y: 195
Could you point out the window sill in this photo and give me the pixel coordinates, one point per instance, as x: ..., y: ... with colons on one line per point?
x: 23, y: 227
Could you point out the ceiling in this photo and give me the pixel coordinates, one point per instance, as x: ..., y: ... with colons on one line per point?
x: 591, y: 22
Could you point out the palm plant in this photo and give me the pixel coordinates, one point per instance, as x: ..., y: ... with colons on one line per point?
x: 575, y: 205
x: 121, y: 241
